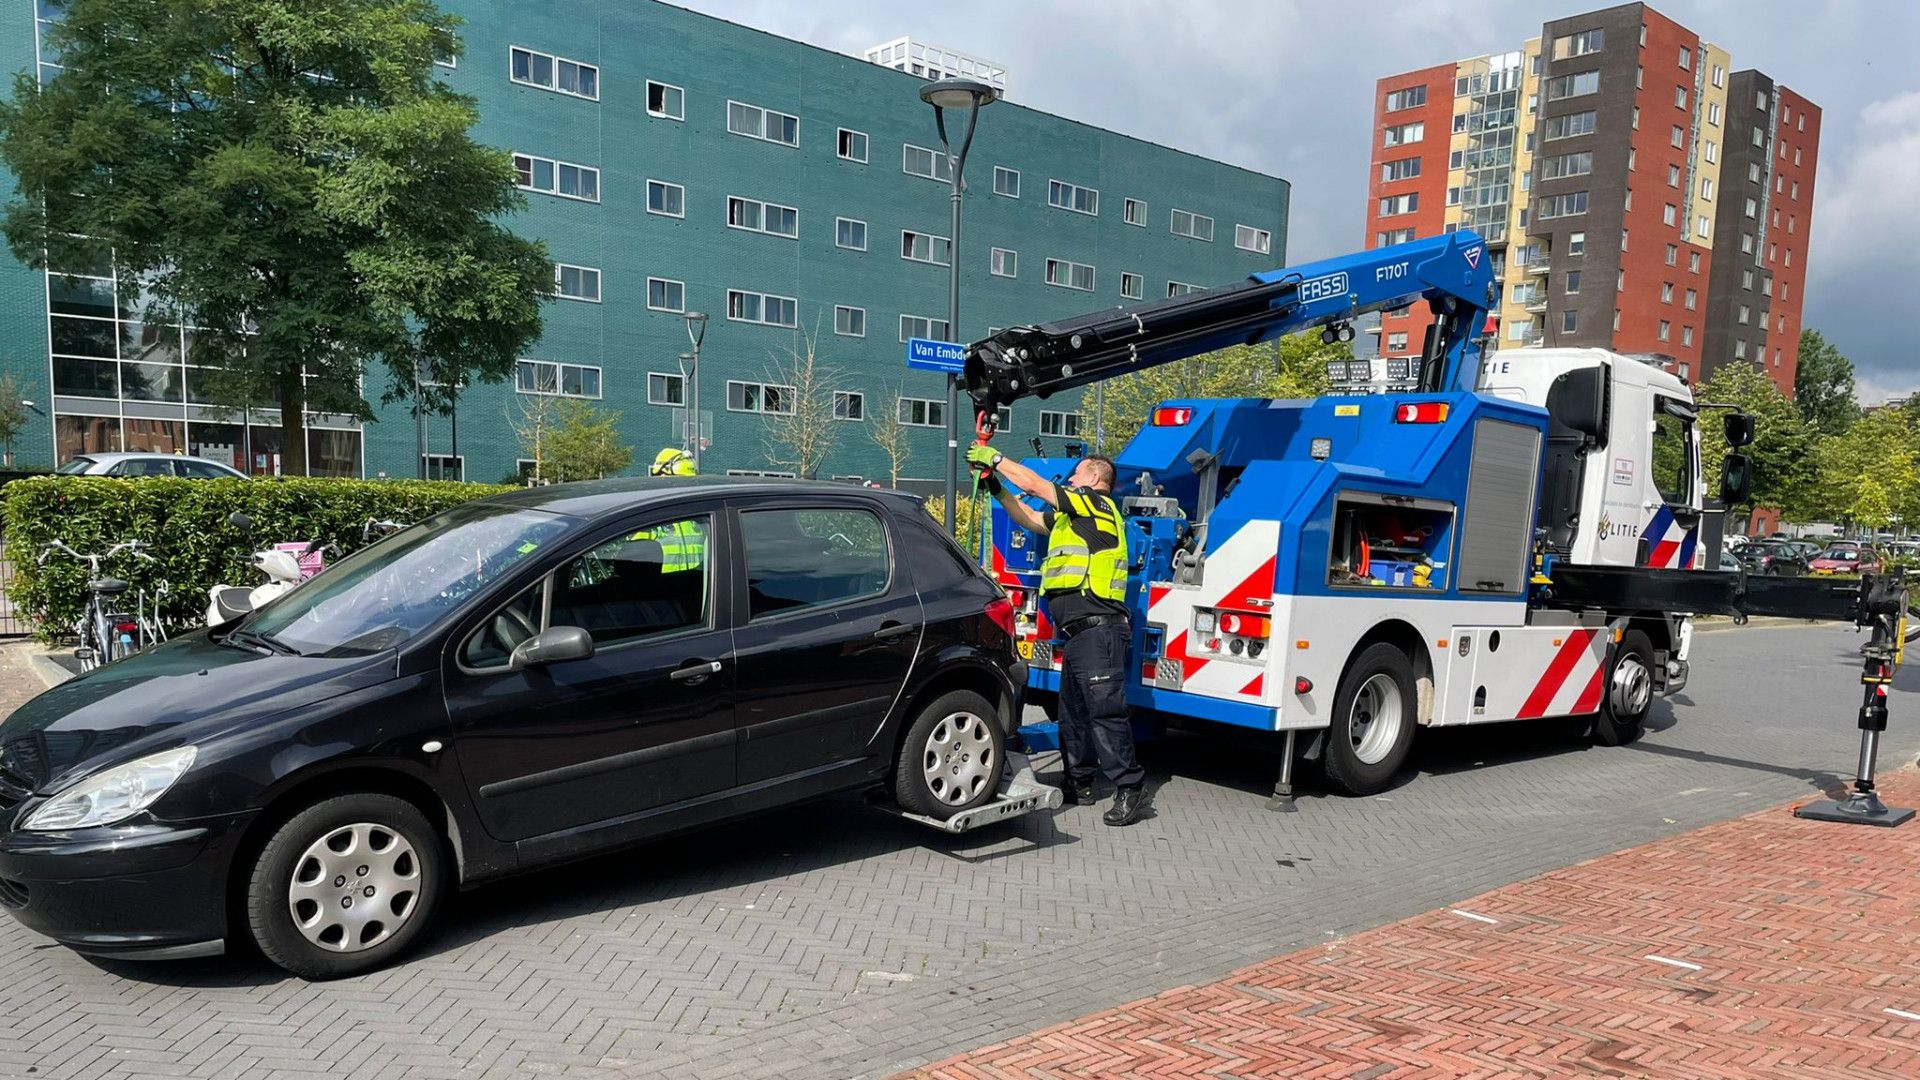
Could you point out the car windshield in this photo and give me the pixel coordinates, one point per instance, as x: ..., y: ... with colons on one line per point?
x: 1840, y: 553
x: 380, y: 597
x: 1775, y: 549
x: 75, y: 467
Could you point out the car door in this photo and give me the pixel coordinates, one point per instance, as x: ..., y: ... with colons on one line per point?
x: 828, y: 629
x: 645, y: 722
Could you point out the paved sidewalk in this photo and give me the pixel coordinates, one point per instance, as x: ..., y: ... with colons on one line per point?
x: 1764, y: 946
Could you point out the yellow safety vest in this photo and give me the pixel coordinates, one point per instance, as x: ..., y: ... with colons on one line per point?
x: 681, y: 545
x: 1072, y: 564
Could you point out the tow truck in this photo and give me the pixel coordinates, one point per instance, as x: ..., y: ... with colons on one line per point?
x: 1449, y: 538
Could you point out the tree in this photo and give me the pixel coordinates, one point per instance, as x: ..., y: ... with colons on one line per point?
x: 1870, y: 474
x: 290, y: 178
x: 802, y: 425
x: 1823, y: 386
x: 13, y: 415
x: 1782, y: 450
x: 569, y: 439
x: 1291, y: 367
x: 892, y: 436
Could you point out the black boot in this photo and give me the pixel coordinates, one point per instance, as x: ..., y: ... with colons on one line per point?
x: 1078, y: 793
x: 1128, y: 805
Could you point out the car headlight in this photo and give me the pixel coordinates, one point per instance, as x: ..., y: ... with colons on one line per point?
x: 114, y: 795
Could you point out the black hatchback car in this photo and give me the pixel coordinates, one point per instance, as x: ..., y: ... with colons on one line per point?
x: 519, y: 680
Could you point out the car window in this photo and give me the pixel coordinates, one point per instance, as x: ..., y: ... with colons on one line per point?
x: 640, y: 584
x: 803, y: 558
x: 76, y: 466
x: 144, y: 467
x: 517, y: 620
x: 202, y: 470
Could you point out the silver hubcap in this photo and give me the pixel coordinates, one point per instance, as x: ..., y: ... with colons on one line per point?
x: 1631, y: 687
x: 354, y: 887
x: 1374, y: 722
x: 959, y: 758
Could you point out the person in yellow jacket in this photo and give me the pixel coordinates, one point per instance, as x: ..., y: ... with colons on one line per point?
x: 681, y: 542
x: 1084, y: 582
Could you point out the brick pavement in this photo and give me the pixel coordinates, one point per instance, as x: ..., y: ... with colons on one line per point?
x: 1766, y: 946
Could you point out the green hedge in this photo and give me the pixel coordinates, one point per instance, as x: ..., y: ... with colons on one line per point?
x: 184, y: 523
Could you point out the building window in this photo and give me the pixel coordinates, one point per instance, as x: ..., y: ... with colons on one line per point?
x: 446, y: 467
x: 1393, y: 236
x: 1712, y: 152
x: 1553, y: 206
x: 852, y: 145
x: 1686, y: 338
x: 763, y: 308
x: 1400, y: 204
x: 1740, y: 349
x: 1693, y: 299
x: 1181, y: 288
x: 1669, y: 214
x: 1401, y: 169
x: 1411, y: 97
x: 1564, y: 127
x: 1679, y: 97
x: 1455, y: 160
x: 1576, y: 85
x: 766, y: 125
x: 926, y: 248
x: 1132, y: 286
x: 920, y: 161
x: 576, y: 282
x: 1133, y: 212
x: 1070, y: 275
x: 1576, y: 243
x: 1397, y: 341
x: 1666, y: 330
x: 666, y: 389
x: 1580, y: 44
x: 1713, y: 113
x: 1063, y: 425
x: 555, y: 73
x: 1453, y: 197
x: 1404, y: 134
x: 1666, y: 292
x: 556, y: 178
x: 1686, y: 59
x: 1706, y: 188
x: 1080, y: 200
x: 752, y: 215
x: 1673, y: 176
x: 666, y: 101
x: 551, y: 379
x: 1679, y: 135
x: 1569, y: 321
x: 849, y: 405
x: 1248, y: 238
x: 1673, y: 255
x: 667, y: 199
x: 1702, y: 226
x: 1693, y: 262
x: 759, y: 397
x: 1579, y: 164
x: 1719, y: 76
x: 1004, y: 262
x: 1006, y: 181
x: 922, y: 412
x: 919, y: 326
x: 849, y: 321
x: 850, y: 233
x: 1746, y: 315
x: 666, y: 294
x: 1573, y: 282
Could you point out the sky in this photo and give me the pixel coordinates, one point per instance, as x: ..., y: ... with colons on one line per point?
x: 1286, y: 87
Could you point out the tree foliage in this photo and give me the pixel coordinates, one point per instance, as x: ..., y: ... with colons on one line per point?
x: 13, y: 415
x: 802, y: 432
x: 891, y: 435
x: 1870, y: 473
x: 1782, y: 450
x: 288, y: 177
x: 1290, y: 367
x: 568, y: 439
x: 1823, y: 386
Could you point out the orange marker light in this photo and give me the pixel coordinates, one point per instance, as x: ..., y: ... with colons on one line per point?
x: 1299, y: 644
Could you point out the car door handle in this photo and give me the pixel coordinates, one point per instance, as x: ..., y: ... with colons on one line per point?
x: 696, y: 671
x: 893, y: 630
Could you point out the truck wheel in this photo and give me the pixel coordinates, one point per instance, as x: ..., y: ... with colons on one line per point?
x: 346, y: 885
x: 952, y: 757
x: 1373, y: 720
x: 1629, y: 696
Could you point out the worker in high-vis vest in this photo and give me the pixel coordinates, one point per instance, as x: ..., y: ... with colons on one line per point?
x: 683, y: 544
x: 1084, y: 582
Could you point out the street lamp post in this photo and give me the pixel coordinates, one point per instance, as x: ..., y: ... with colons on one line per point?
x: 944, y: 94
x: 696, y: 330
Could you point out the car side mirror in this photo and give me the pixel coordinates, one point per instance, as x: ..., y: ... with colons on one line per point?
x: 555, y: 644
x: 1736, y: 479
x: 1740, y: 429
x: 239, y: 520
x: 1578, y: 401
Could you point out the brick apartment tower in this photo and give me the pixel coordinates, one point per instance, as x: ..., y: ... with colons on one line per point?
x: 1636, y: 193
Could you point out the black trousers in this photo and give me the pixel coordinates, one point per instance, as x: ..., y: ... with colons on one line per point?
x: 1094, y: 725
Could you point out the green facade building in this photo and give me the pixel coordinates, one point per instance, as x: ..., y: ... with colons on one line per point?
x: 677, y: 162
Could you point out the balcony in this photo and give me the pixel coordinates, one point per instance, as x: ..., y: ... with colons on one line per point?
x: 1537, y: 306
x: 1541, y: 267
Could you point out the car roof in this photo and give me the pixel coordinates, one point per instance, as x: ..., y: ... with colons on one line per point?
x: 596, y: 498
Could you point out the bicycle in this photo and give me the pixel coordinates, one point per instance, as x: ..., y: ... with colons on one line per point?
x: 147, y: 608
x: 105, y: 636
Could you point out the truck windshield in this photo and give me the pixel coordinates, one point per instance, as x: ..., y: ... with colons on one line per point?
x: 385, y: 594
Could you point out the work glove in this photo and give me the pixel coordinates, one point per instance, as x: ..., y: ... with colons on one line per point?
x: 983, y: 457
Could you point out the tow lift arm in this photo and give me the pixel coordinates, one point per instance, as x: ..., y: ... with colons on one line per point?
x: 1452, y: 273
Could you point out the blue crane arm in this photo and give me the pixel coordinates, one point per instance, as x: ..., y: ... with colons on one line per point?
x: 1451, y: 272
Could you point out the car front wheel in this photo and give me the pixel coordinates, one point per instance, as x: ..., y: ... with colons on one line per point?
x: 345, y: 885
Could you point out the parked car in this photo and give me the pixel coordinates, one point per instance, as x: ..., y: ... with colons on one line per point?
x: 1776, y: 558
x: 194, y: 468
x: 515, y: 682
x: 1807, y: 549
x: 1846, y: 557
x: 1729, y: 562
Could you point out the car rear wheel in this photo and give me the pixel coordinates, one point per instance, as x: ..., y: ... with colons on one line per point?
x: 952, y: 757
x: 345, y: 885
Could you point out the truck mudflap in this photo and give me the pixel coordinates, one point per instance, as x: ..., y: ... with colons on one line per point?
x: 1021, y: 793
